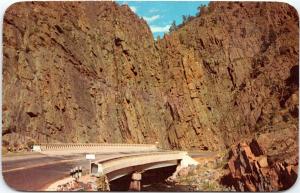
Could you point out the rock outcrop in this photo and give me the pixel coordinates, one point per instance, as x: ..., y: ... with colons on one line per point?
x: 231, y: 72
x: 92, y: 72
x: 80, y: 72
x: 250, y: 169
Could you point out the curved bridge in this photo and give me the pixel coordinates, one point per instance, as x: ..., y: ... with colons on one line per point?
x: 118, y: 160
x: 137, y: 164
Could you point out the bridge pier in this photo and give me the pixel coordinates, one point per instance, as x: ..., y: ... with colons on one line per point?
x: 135, y: 184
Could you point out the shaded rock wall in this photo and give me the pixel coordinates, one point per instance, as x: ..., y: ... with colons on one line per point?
x: 80, y: 72
x: 92, y: 72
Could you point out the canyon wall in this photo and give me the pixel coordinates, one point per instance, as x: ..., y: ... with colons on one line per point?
x: 232, y: 72
x: 80, y: 72
x: 92, y: 72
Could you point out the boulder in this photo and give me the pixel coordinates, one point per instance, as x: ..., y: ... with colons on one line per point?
x: 248, y: 172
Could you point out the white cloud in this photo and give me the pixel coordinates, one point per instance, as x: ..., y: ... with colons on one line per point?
x: 133, y: 8
x: 155, y: 28
x: 153, y: 10
x: 152, y: 18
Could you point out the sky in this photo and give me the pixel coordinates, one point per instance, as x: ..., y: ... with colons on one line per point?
x: 160, y: 14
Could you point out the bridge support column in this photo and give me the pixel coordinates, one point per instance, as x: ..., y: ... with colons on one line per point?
x: 135, y: 184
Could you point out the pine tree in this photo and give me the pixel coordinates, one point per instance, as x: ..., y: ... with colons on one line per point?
x: 184, y: 19
x: 173, y: 26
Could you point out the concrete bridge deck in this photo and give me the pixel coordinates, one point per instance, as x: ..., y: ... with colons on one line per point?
x: 118, y: 167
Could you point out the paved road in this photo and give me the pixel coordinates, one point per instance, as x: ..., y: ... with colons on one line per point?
x: 35, y: 172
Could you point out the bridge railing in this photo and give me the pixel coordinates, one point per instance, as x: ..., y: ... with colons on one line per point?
x: 94, y: 147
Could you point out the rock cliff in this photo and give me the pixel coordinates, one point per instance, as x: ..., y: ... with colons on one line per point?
x: 231, y: 72
x: 92, y: 72
x: 80, y: 72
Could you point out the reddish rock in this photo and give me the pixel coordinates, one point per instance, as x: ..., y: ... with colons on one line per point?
x: 251, y: 173
x: 255, y: 148
x: 234, y: 79
x: 91, y: 77
x: 263, y: 161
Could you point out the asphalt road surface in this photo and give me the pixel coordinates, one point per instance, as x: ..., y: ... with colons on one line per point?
x: 34, y: 173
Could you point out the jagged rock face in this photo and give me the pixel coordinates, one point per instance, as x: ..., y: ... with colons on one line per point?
x: 251, y: 170
x: 80, y: 72
x: 231, y: 72
x: 92, y: 72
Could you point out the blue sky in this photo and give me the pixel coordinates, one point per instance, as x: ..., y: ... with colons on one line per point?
x: 160, y: 14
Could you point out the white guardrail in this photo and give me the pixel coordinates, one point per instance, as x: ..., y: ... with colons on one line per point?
x: 94, y: 147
